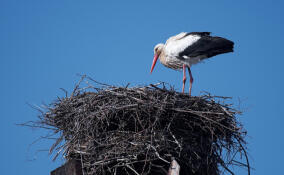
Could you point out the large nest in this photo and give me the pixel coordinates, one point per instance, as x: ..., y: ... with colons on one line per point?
x: 139, y: 130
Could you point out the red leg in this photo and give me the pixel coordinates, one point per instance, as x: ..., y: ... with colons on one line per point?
x: 190, y: 80
x: 184, y: 77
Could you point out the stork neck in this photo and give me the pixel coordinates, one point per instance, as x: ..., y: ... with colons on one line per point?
x: 162, y: 58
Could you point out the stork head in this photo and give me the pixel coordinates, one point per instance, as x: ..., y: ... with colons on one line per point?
x: 157, y: 51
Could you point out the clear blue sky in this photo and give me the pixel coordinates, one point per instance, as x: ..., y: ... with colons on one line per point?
x: 44, y: 44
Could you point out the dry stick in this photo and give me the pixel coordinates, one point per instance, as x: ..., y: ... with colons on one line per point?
x: 196, y: 113
x: 146, y: 157
x: 104, y: 84
x: 77, y: 85
x: 132, y: 169
x: 224, y: 166
x: 244, y: 151
x: 82, y: 164
x: 179, y: 145
x: 154, y: 86
x: 157, y: 154
x: 55, y: 144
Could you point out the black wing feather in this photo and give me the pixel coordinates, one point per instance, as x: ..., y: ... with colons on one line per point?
x: 208, y: 46
x: 199, y: 33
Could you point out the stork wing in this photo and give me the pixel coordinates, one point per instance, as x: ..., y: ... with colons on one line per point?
x: 177, y: 44
x: 199, y: 33
x: 207, y: 46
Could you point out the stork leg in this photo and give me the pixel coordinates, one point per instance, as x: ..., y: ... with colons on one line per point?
x: 190, y: 80
x: 184, y: 77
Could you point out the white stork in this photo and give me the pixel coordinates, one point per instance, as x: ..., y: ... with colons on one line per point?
x: 186, y: 49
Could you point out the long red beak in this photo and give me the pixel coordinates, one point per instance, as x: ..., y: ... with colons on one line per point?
x: 154, y: 62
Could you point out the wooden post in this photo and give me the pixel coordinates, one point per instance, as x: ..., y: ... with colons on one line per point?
x: 174, y: 168
x: 72, y: 167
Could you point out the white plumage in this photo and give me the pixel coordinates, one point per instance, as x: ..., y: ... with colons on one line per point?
x: 176, y: 44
